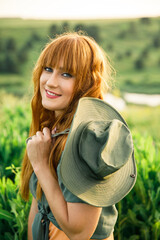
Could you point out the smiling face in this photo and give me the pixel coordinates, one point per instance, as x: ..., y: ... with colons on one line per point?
x: 56, y: 88
x: 70, y: 67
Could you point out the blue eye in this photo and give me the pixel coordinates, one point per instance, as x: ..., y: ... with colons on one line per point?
x: 48, y: 69
x: 67, y: 75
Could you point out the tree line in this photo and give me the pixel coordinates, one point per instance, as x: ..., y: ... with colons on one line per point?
x: 12, y: 58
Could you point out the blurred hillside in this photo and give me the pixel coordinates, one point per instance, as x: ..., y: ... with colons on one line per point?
x: 134, y: 49
x: 133, y: 46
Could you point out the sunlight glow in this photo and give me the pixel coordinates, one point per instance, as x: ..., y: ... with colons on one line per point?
x: 72, y: 9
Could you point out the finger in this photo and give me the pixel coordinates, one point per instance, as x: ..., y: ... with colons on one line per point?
x: 54, y: 130
x: 46, y: 132
x: 30, y: 139
x: 34, y: 137
x: 39, y: 134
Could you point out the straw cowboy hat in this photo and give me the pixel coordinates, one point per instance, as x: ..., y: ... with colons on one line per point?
x: 97, y: 164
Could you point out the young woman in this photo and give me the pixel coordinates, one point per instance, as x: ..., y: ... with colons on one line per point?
x: 71, y: 67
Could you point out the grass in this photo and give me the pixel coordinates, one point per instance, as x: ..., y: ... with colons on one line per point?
x: 138, y: 212
x: 143, y: 119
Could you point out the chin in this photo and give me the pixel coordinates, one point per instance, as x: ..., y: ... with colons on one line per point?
x: 48, y: 107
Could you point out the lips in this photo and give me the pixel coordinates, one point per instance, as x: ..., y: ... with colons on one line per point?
x: 51, y: 94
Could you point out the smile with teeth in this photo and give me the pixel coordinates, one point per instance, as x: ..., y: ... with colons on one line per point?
x: 52, y: 94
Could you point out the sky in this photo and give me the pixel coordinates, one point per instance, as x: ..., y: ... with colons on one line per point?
x: 79, y: 9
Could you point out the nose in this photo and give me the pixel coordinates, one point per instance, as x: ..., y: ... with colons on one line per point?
x: 52, y: 80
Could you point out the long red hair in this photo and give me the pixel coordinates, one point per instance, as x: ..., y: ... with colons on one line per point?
x: 81, y: 57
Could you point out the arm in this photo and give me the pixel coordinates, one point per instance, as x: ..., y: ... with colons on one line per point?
x: 77, y: 220
x: 32, y: 213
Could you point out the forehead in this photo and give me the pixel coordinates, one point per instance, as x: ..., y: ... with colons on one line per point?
x: 72, y: 55
x: 60, y: 59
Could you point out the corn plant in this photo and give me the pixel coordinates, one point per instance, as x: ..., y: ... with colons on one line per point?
x: 13, y: 210
x: 14, y: 130
x: 139, y: 212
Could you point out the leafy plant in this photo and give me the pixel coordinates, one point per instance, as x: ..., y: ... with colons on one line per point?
x: 139, y: 212
x: 13, y: 210
x: 13, y: 134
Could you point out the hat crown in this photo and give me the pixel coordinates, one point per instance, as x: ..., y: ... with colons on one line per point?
x: 104, y: 147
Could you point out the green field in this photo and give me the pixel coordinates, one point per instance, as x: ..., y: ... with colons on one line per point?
x: 139, y: 212
x: 124, y: 40
x: 132, y: 44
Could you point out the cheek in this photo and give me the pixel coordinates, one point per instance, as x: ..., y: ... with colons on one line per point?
x: 42, y: 82
x: 70, y: 89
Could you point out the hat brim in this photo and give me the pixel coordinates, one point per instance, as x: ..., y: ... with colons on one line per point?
x: 95, y: 192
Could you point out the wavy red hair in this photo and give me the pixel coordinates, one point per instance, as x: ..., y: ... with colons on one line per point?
x: 82, y: 57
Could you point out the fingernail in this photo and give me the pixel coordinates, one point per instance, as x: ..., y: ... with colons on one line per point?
x: 54, y: 130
